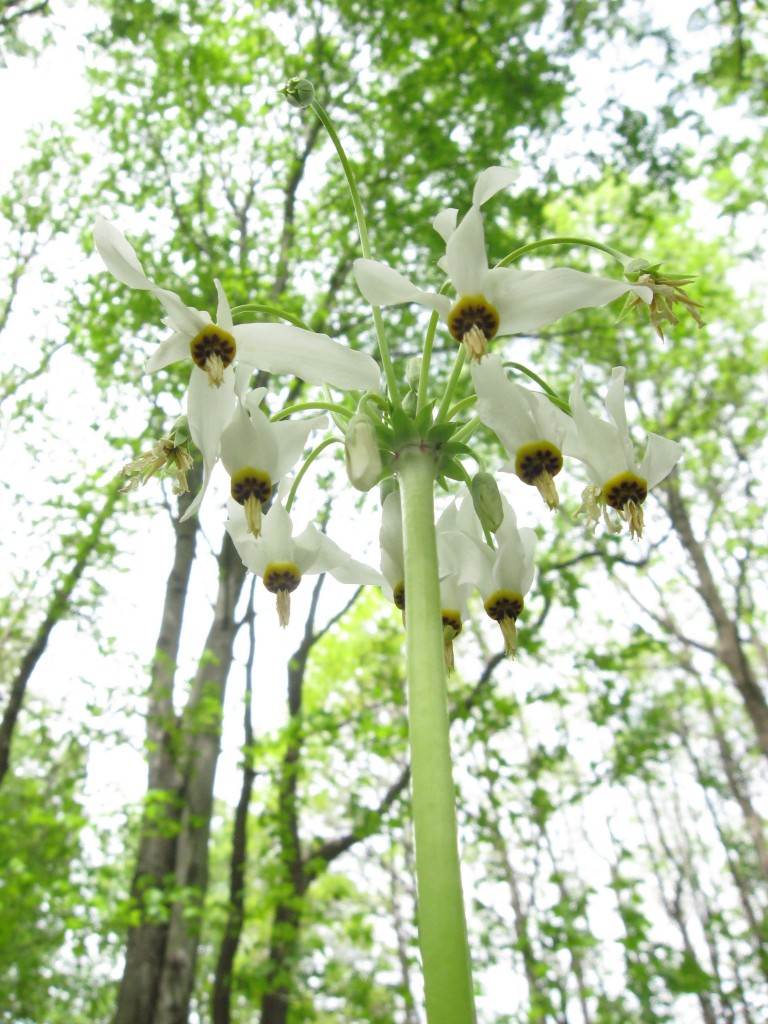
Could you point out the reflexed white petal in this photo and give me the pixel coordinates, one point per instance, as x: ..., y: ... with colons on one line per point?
x: 181, y: 317
x: 543, y: 296
x: 223, y: 312
x: 170, y: 350
x: 660, y: 457
x: 383, y: 286
x: 315, y: 358
x: 475, y: 563
x: 391, y: 540
x: 342, y: 567
x: 306, y: 548
x: 209, y: 410
x: 445, y: 223
x: 614, y: 403
x: 249, y: 441
x: 597, y: 443
x: 491, y: 181
x: 254, y: 398
x: 119, y: 256
x: 277, y: 536
x: 514, y: 562
x: 291, y: 436
x: 517, y: 415
x: 466, y: 260
x: 501, y: 406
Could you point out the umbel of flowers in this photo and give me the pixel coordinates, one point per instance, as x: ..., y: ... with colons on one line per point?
x: 411, y: 441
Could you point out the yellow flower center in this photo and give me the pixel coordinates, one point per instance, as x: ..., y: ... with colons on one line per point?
x: 624, y: 488
x: 536, y: 464
x: 504, y: 606
x: 626, y: 493
x: 213, y: 350
x: 251, y: 488
x: 398, y: 596
x: 473, y: 321
x: 282, y: 578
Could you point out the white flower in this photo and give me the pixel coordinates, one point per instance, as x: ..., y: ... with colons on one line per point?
x: 457, y: 519
x: 282, y: 559
x: 503, y: 575
x: 257, y: 454
x: 609, y: 455
x: 274, y: 348
x: 392, y: 556
x: 490, y: 301
x: 532, y: 429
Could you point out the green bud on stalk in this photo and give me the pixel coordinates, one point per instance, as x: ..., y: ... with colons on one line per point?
x: 299, y: 92
x: 361, y: 453
x: 487, y: 501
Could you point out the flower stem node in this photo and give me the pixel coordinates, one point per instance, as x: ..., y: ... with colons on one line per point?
x: 486, y: 499
x: 213, y: 349
x: 474, y: 321
x: 282, y: 578
x: 451, y: 629
x: 504, y: 607
x: 251, y: 488
x: 537, y: 463
x: 299, y: 92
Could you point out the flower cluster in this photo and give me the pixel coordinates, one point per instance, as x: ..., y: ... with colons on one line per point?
x: 480, y: 547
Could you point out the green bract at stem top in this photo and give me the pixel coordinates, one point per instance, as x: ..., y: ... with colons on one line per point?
x: 386, y: 359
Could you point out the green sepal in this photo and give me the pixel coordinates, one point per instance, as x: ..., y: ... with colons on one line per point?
x: 423, y: 420
x: 453, y: 448
x: 452, y: 469
x: 440, y: 432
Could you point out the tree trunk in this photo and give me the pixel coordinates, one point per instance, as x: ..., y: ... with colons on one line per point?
x: 200, y: 744
x: 157, y: 842
x: 730, y: 649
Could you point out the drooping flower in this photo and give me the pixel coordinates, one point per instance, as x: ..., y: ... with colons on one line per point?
x: 503, y: 575
x: 392, y: 555
x: 169, y: 454
x: 274, y: 348
x: 257, y: 453
x: 458, y: 519
x: 214, y: 348
x: 532, y: 429
x: 667, y: 290
x: 490, y: 302
x: 607, y: 451
x: 281, y: 560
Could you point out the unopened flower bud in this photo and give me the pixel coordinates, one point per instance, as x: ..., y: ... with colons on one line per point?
x: 361, y: 453
x: 299, y: 92
x: 636, y: 266
x: 413, y: 372
x: 487, y: 501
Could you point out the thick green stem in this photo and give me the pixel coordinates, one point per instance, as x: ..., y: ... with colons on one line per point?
x: 442, y: 925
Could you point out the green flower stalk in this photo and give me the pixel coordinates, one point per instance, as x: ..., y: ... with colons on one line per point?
x: 442, y: 925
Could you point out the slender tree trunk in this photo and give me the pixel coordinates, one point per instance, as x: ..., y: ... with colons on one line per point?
x: 730, y: 648
x: 59, y: 605
x: 200, y: 744
x: 222, y: 983
x: 157, y: 842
